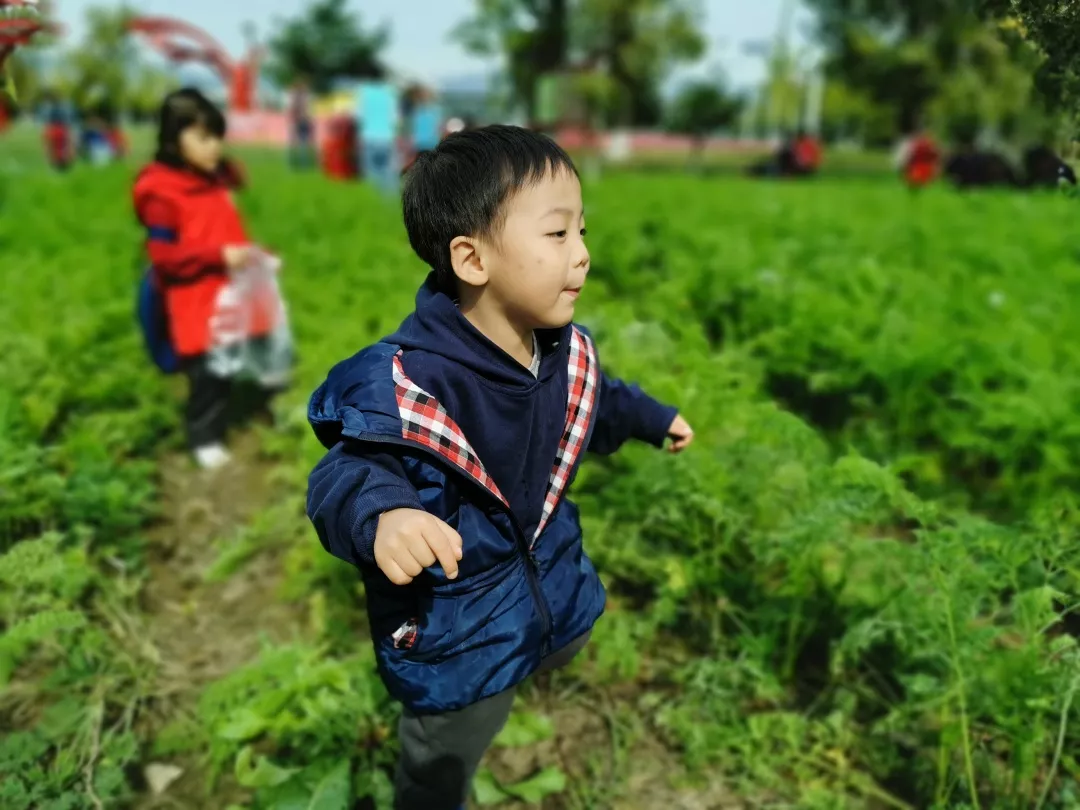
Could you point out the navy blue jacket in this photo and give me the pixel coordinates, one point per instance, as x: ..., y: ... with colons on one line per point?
x: 395, y: 418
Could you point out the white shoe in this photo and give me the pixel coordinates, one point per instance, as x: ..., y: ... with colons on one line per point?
x: 212, y: 456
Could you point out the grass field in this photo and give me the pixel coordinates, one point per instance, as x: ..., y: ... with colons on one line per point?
x: 859, y: 590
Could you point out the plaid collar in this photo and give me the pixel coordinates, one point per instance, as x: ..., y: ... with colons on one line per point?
x: 579, y: 410
x: 426, y: 422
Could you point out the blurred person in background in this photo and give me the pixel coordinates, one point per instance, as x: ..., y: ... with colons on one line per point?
x: 195, y: 237
x: 301, y: 126
x: 970, y: 166
x: 919, y: 159
x: 807, y: 154
x: 56, y: 133
x: 799, y: 155
x: 101, y: 141
x: 114, y: 134
x: 340, y: 156
x: 93, y: 143
x: 424, y: 129
x: 1043, y: 168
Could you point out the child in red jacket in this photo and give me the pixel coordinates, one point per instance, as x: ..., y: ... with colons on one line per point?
x: 57, y: 137
x: 195, y: 237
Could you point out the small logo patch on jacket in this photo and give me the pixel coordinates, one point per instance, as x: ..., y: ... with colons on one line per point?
x: 405, y: 636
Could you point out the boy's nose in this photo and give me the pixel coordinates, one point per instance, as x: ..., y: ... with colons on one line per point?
x: 581, y: 257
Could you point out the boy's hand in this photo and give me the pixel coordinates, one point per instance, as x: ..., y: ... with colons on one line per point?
x: 409, y: 540
x: 681, y: 435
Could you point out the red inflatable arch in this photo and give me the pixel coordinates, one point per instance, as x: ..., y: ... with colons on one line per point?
x: 19, y: 30
x: 179, y: 41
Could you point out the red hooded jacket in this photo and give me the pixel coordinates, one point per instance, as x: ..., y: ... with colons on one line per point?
x: 189, y: 219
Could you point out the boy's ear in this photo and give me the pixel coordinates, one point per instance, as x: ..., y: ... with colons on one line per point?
x: 466, y: 262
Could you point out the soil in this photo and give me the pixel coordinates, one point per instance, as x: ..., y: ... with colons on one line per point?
x: 204, y: 630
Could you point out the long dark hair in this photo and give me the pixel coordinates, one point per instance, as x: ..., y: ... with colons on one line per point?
x: 180, y: 110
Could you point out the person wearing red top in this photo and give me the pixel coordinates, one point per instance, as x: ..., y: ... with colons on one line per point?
x: 807, y: 153
x: 117, y: 141
x: 922, y: 162
x: 195, y: 237
x: 57, y: 136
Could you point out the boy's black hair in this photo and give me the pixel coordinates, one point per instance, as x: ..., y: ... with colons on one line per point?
x: 459, y: 188
x: 180, y: 110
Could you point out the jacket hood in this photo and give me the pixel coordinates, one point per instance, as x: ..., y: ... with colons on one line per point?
x: 157, y: 178
x: 437, y: 326
x: 359, y: 396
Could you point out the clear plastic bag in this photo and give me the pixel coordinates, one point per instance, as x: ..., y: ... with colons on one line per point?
x: 249, y: 330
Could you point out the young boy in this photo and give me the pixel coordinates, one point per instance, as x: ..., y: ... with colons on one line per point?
x: 452, y: 444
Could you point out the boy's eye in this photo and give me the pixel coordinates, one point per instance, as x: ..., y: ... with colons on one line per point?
x: 558, y: 234
x: 584, y: 231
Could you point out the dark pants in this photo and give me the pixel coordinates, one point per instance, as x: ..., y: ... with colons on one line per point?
x: 441, y: 752
x: 215, y: 403
x: 207, y: 412
x: 301, y: 151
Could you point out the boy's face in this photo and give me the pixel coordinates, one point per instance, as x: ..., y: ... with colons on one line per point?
x: 537, y: 265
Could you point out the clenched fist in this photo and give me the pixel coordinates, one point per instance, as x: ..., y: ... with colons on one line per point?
x: 409, y: 540
x: 681, y: 435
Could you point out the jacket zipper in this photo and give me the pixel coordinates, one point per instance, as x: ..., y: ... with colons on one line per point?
x: 532, y: 567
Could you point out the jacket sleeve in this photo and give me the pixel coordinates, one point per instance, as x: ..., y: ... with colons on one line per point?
x: 624, y: 412
x: 347, y: 492
x: 172, y: 255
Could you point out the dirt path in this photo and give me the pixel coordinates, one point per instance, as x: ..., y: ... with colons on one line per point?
x: 203, y: 630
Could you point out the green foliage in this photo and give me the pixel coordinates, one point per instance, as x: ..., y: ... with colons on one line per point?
x: 805, y: 605
x: 704, y: 107
x: 933, y: 61
x: 547, y: 782
x: 289, y: 725
x: 34, y: 776
x: 80, y: 415
x: 1049, y: 27
x: 326, y: 42
x: 102, y: 68
x: 638, y: 43
x: 532, y: 36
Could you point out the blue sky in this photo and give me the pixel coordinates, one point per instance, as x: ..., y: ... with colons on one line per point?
x: 422, y: 48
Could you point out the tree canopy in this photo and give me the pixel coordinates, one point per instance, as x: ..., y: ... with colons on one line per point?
x: 620, y: 50
x: 949, y: 61
x: 323, y: 43
x: 703, y: 107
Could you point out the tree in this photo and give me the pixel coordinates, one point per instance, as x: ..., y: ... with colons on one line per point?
x: 148, y: 87
x: 324, y: 43
x: 99, y: 70
x: 531, y: 34
x: 928, y: 57
x: 640, y: 42
x: 620, y: 51
x: 704, y: 107
x: 1051, y: 27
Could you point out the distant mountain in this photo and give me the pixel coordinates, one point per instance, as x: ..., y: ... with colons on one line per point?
x: 469, y: 84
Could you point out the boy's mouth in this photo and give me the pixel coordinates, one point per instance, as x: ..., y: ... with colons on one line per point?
x: 573, y: 292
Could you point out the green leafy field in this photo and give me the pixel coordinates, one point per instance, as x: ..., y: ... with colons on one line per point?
x: 858, y: 590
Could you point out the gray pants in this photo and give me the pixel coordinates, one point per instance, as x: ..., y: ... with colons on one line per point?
x: 441, y: 752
